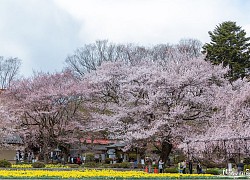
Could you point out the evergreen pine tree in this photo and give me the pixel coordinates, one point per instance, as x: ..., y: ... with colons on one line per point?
x: 229, y: 46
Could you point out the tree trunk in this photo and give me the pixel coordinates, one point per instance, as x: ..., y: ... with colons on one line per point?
x: 45, y: 153
x: 165, y: 151
x: 45, y: 150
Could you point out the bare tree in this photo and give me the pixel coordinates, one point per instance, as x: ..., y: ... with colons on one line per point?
x: 190, y: 47
x: 89, y: 57
x: 9, y: 69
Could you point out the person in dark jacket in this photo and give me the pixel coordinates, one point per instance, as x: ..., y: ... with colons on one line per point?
x: 199, y: 168
x: 190, y: 166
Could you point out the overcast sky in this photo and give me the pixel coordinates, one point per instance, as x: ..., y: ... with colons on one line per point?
x: 43, y: 32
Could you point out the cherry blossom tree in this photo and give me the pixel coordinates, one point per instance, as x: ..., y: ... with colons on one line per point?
x: 7, y: 125
x: 148, y: 102
x: 46, y: 106
x: 228, y: 133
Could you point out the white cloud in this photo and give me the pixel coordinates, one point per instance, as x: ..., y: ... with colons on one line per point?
x: 149, y: 21
x: 43, y: 33
x: 38, y: 32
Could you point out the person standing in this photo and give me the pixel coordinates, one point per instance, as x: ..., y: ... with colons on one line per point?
x: 184, y: 165
x: 199, y: 168
x: 190, y: 166
x: 149, y: 164
x: 160, y: 166
x: 18, y: 156
x: 240, y: 167
x: 180, y: 167
x: 29, y: 157
x: 78, y: 160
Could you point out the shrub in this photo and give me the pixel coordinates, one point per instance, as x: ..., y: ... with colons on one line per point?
x: 55, y: 166
x: 38, y: 165
x: 90, y: 157
x: 106, y: 165
x: 125, y: 165
x: 246, y: 167
x: 107, y: 160
x: 121, y: 165
x: 73, y: 165
x: 154, y: 166
x: 171, y: 170
x: 212, y: 171
x: 91, y: 164
x: 140, y: 166
x: 246, y: 160
x: 132, y: 156
x: 5, y: 164
x: 116, y: 165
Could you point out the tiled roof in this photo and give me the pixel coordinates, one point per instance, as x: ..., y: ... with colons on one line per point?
x: 13, y: 139
x: 97, y: 141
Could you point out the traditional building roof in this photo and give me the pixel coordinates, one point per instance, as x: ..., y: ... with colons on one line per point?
x: 97, y: 141
x: 12, y: 139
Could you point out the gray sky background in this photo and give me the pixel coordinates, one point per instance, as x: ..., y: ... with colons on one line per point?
x: 43, y: 32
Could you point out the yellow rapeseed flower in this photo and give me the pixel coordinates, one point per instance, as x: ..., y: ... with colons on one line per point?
x: 90, y: 174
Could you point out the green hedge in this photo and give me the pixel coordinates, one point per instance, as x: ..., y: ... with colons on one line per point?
x: 171, y: 170
x: 121, y: 165
x: 91, y: 164
x: 213, y: 171
x: 5, y: 164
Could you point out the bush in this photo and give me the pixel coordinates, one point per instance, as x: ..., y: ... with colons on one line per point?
x: 246, y: 167
x: 116, y: 165
x: 107, y: 160
x: 125, y: 165
x: 73, y: 165
x: 246, y: 160
x: 91, y: 164
x: 90, y: 157
x: 154, y: 166
x: 212, y: 171
x: 132, y: 156
x: 121, y: 165
x: 171, y: 170
x: 5, y: 164
x: 38, y: 165
x: 106, y: 165
x: 140, y: 166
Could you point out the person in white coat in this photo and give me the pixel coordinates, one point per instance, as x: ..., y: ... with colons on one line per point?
x: 160, y: 166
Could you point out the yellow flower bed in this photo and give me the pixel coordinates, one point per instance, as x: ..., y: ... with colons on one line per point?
x: 91, y: 174
x: 46, y: 166
x: 21, y: 166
